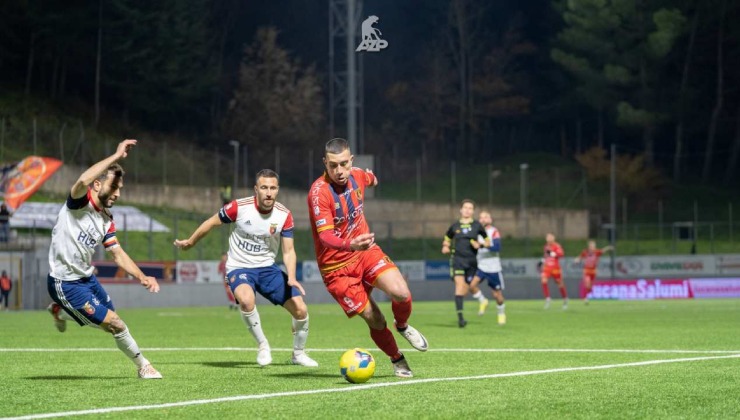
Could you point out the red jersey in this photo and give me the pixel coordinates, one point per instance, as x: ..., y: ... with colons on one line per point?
x: 590, y: 260
x: 341, y: 209
x: 550, y: 260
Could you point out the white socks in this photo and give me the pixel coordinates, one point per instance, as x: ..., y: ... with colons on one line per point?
x: 128, y: 346
x: 479, y: 295
x: 501, y: 308
x: 252, y: 319
x: 300, y: 334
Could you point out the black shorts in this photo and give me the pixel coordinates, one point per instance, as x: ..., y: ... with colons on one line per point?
x: 467, y: 269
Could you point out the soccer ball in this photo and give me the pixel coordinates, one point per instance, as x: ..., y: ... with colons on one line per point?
x: 357, y: 365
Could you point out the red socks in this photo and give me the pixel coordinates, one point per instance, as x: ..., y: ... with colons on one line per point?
x: 546, y: 290
x: 401, y: 312
x: 385, y: 341
x: 563, y: 293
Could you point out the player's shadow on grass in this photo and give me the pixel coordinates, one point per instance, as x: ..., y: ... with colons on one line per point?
x: 230, y: 365
x: 304, y: 373
x: 452, y: 325
x: 70, y: 377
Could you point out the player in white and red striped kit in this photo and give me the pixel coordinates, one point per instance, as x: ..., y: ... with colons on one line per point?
x: 262, y: 225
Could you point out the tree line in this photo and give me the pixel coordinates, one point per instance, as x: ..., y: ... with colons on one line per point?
x: 462, y: 79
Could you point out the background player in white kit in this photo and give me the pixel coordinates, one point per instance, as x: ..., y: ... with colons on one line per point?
x: 489, y: 265
x: 83, y: 223
x: 262, y: 224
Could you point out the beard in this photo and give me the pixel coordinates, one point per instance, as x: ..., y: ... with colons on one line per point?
x: 105, y: 201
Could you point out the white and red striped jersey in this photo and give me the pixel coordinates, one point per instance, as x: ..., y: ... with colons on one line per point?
x: 255, y: 240
x: 80, y: 227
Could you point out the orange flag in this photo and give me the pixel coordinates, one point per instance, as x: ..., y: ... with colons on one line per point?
x: 20, y: 180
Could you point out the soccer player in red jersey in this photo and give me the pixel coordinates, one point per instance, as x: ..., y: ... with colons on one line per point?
x: 590, y: 257
x: 222, y: 272
x: 350, y: 261
x: 551, y: 269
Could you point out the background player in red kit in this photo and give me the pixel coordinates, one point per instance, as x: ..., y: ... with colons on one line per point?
x: 350, y: 261
x: 590, y: 257
x: 222, y: 273
x: 551, y: 269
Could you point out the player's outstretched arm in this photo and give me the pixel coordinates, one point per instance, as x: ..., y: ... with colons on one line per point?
x: 199, y: 233
x: 79, y: 188
x: 607, y: 248
x: 121, y: 258
x: 289, y: 259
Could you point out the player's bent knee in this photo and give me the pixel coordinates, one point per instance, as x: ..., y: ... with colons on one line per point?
x: 300, y: 311
x: 113, y: 323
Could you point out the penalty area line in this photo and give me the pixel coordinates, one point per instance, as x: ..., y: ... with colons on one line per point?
x: 351, y: 388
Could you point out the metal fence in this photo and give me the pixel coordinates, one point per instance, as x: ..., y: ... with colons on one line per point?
x: 631, y: 239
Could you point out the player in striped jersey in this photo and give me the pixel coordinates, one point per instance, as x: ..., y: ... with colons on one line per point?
x: 261, y: 225
x: 352, y: 265
x: 85, y: 222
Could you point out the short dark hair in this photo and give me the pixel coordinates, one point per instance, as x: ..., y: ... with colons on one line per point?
x: 266, y: 173
x: 115, y: 168
x: 336, y: 145
x: 467, y: 200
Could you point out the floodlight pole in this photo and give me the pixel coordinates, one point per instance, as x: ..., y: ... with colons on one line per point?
x: 235, y: 144
x: 613, y: 204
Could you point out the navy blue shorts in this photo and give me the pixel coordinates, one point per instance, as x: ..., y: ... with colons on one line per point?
x: 495, y: 280
x: 269, y: 282
x: 85, y: 300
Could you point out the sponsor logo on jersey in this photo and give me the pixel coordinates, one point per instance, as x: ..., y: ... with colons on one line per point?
x: 358, y: 193
x: 242, y: 276
x: 316, y: 210
x: 380, y: 264
x: 95, y: 301
x: 320, y: 222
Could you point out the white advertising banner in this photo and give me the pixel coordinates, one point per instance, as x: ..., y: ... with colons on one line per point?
x: 728, y: 265
x: 412, y: 269
x: 198, y: 272
x: 649, y: 266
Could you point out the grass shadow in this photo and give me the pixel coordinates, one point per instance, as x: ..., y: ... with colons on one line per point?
x: 70, y: 377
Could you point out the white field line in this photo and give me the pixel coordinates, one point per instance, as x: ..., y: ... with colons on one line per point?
x: 361, y: 387
x: 317, y: 350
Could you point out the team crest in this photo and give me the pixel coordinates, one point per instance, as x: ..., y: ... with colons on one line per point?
x: 358, y: 193
x: 273, y: 228
x: 336, y: 205
x: 232, y: 279
x: 89, y: 309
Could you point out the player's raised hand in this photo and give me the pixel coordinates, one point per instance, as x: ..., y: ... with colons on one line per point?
x: 150, y: 283
x: 295, y: 283
x: 124, y: 147
x: 183, y: 244
x: 362, y: 242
